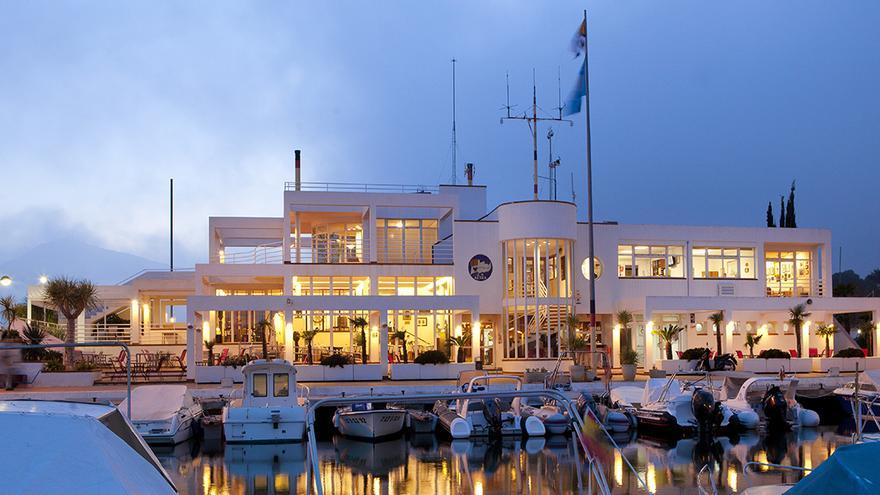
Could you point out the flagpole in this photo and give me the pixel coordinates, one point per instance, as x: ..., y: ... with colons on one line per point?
x: 591, y: 269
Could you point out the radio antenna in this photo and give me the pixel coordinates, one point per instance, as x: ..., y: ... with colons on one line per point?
x: 454, y: 143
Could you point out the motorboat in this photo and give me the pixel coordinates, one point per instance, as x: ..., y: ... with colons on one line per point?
x: 671, y: 407
x: 362, y: 420
x: 769, y: 400
x: 607, y: 410
x: 554, y: 417
x: 75, y: 448
x: 212, y: 419
x: 164, y: 414
x: 463, y: 418
x: 272, y: 407
x: 418, y: 420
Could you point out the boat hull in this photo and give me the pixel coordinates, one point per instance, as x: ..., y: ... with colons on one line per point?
x: 179, y: 431
x: 371, y: 424
x: 264, y: 425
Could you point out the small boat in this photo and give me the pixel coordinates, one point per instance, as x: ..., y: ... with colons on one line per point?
x: 272, y: 407
x: 555, y: 418
x: 164, y: 414
x: 463, y: 418
x: 769, y: 400
x: 608, y: 411
x: 94, y: 449
x: 363, y: 421
x: 212, y: 419
x: 418, y: 420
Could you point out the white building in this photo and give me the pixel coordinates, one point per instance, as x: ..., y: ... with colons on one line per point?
x: 437, y: 263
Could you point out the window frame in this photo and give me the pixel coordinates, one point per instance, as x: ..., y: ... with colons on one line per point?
x: 707, y: 256
x: 650, y: 252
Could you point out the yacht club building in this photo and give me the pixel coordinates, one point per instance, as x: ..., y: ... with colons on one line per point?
x: 423, y: 265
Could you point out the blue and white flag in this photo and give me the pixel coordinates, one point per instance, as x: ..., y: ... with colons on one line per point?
x: 578, y: 46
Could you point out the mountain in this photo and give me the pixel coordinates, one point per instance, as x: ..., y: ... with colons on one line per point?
x: 73, y: 259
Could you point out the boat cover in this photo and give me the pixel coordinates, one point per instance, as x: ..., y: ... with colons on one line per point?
x: 157, y: 402
x: 852, y: 469
x: 71, y: 454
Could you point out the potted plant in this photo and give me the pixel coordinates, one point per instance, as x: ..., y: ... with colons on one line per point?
x: 717, y: 320
x: 296, y: 336
x: 826, y: 331
x: 535, y: 375
x: 400, y: 336
x: 796, y: 317
x: 849, y: 352
x: 578, y: 371
x: 432, y: 357
x: 628, y: 360
x: 308, y: 336
x: 624, y: 318
x: 360, y: 323
x: 336, y: 359
x: 209, y: 345
x: 751, y: 341
x: 459, y: 342
x: 263, y: 329
x: 668, y: 334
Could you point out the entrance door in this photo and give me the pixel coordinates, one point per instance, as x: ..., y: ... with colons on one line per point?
x: 487, y: 343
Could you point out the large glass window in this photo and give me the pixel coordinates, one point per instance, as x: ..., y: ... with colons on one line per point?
x: 716, y: 262
x: 261, y: 384
x: 789, y: 273
x: 415, y: 286
x: 325, y: 286
x: 406, y: 240
x: 538, y: 297
x: 644, y: 261
x: 425, y: 330
x: 338, y: 243
x: 281, y: 384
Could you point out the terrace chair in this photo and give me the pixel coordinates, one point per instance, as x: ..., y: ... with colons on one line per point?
x: 864, y: 352
x: 180, y: 360
x: 223, y: 355
x: 793, y: 353
x: 813, y: 352
x: 739, y: 354
x: 679, y: 354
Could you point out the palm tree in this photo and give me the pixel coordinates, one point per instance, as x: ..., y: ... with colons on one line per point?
x: 7, y: 307
x: 460, y: 342
x: 400, y: 336
x: 361, y: 323
x: 668, y: 335
x: 571, y: 322
x: 263, y: 329
x: 796, y: 317
x: 308, y: 336
x: 751, y: 341
x: 624, y: 318
x: 826, y: 331
x: 717, y: 319
x: 71, y: 297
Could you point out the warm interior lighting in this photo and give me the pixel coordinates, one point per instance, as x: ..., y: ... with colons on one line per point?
x: 618, y: 468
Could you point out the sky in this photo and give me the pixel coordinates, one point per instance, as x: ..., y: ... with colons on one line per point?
x: 702, y: 112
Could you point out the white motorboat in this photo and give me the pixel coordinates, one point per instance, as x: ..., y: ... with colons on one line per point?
x: 463, y: 418
x: 616, y: 419
x: 163, y: 414
x: 769, y: 399
x: 555, y: 419
x: 272, y: 407
x: 363, y: 421
x: 94, y: 449
x: 671, y: 407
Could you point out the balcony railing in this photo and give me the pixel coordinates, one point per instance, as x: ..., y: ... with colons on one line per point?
x: 439, y: 253
x: 369, y: 188
x: 338, y: 251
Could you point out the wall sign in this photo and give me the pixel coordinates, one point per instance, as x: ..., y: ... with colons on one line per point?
x: 480, y: 267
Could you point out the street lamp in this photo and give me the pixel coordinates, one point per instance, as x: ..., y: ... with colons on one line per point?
x: 44, y: 280
x: 5, y: 281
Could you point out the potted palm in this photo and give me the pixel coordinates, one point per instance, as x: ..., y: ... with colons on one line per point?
x: 624, y: 318
x: 308, y: 336
x: 668, y: 334
x: 400, y: 336
x: 628, y: 360
x: 263, y: 329
x: 296, y: 336
x: 209, y: 345
x: 360, y: 323
x: 751, y: 341
x: 459, y: 342
x: 796, y: 316
x: 826, y: 331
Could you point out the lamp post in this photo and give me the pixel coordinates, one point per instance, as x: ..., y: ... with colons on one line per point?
x: 5, y: 281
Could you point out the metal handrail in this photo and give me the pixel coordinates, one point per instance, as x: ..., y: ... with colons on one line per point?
x: 88, y: 344
x: 355, y: 187
x: 707, y: 469
x: 747, y: 465
x: 555, y: 394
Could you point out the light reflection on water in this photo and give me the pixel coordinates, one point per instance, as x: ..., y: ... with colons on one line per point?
x: 427, y: 465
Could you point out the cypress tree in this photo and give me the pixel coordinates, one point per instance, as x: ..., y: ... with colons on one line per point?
x: 790, y: 220
x: 770, y: 221
x: 782, y: 211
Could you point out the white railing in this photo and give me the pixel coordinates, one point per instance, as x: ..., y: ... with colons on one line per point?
x: 353, y: 187
x: 439, y: 253
x: 259, y: 255
x: 335, y: 251
x: 340, y: 251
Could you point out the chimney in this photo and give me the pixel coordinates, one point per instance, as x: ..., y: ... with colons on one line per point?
x: 469, y: 173
x: 297, y: 165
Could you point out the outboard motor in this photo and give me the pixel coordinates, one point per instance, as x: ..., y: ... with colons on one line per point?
x: 775, y: 408
x: 706, y: 410
x: 492, y: 413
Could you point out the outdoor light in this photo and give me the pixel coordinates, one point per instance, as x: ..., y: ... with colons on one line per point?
x: 5, y: 281
x: 44, y: 279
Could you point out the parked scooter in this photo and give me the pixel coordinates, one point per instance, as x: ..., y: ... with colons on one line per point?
x: 724, y: 362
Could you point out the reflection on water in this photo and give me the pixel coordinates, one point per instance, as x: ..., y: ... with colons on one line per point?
x: 424, y: 464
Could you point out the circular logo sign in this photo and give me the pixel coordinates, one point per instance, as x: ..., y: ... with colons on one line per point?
x: 480, y: 267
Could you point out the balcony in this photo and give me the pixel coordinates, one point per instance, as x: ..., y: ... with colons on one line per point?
x: 338, y: 251
x: 364, y: 188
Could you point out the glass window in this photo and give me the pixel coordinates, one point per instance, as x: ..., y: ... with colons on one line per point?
x: 260, y: 385
x: 788, y: 273
x: 650, y: 261
x: 709, y: 262
x: 281, y: 384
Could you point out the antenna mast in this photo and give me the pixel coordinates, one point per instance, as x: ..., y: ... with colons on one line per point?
x: 454, y: 143
x: 532, y: 121
x: 573, y: 196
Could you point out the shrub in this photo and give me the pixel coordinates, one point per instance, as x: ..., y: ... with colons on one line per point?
x: 334, y: 360
x: 84, y: 366
x: 693, y: 353
x: 629, y: 356
x: 849, y: 353
x: 774, y: 354
x: 235, y: 361
x: 54, y: 365
x: 432, y: 357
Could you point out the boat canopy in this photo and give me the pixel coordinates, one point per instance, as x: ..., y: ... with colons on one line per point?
x: 756, y: 385
x: 157, y: 402
x: 852, y: 469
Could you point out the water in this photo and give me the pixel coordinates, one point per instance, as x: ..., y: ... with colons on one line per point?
x: 429, y: 465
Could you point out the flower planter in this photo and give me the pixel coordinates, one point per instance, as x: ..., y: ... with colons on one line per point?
x: 794, y: 365
x: 433, y: 371
x: 29, y: 369
x: 629, y: 372
x: 216, y: 374
x: 309, y: 372
x: 872, y: 363
x: 337, y: 374
x: 578, y: 373
x: 401, y: 371
x: 67, y: 379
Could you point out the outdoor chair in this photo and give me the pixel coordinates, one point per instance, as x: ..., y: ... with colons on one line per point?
x: 864, y: 352
x: 794, y: 353
x: 679, y: 354
x: 813, y: 352
x: 180, y: 360
x: 739, y: 354
x: 223, y: 355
